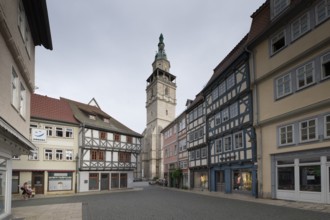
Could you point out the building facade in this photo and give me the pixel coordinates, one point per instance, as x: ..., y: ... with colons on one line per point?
x: 19, y: 34
x: 230, y: 132
x: 197, y: 144
x: 290, y: 60
x: 170, y: 153
x: 51, y: 167
x: 108, y: 150
x: 160, y: 106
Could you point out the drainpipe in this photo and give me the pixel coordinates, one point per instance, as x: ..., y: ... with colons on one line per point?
x: 257, y: 140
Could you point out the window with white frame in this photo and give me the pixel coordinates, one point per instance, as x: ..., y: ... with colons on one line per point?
x: 48, y: 154
x: 22, y: 101
x: 222, y: 88
x: 59, y: 132
x: 32, y: 126
x: 59, y: 154
x: 327, y: 126
x: 34, y: 154
x: 69, y: 154
x: 300, y: 26
x: 230, y: 81
x: 278, y: 42
x: 225, y: 115
x: 238, y: 140
x: 215, y: 93
x: 204, y: 152
x: 182, y: 145
x: 308, y: 130
x: 69, y: 132
x: 218, y: 145
x: 198, y: 153
x: 217, y: 118
x: 279, y: 6
x: 233, y: 108
x: 14, y: 89
x: 192, y: 155
x: 286, y: 135
x: 283, y: 85
x: 325, y: 65
x: 305, y: 75
x: 49, y: 130
x: 227, y: 143
x: 322, y: 11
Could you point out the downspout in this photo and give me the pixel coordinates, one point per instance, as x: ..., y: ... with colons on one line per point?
x: 257, y: 140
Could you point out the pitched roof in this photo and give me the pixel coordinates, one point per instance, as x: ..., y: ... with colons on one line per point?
x: 43, y: 107
x: 228, y: 60
x: 82, y: 111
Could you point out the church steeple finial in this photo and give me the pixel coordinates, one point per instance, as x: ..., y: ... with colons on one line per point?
x: 161, y: 51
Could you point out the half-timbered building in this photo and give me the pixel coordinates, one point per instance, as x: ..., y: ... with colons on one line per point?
x: 108, y: 150
x: 196, y: 143
x: 230, y: 132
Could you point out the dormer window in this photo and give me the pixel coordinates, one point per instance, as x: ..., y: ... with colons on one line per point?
x: 278, y: 6
x: 93, y: 117
x: 106, y: 120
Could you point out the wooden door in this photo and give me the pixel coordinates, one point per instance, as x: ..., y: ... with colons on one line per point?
x: 38, y: 182
x: 123, y: 180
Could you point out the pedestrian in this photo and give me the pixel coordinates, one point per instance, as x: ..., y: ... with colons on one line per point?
x: 26, y: 191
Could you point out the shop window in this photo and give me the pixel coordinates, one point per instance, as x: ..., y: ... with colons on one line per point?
x: 285, y: 178
x: 59, y: 181
x: 93, y: 181
x: 310, y: 178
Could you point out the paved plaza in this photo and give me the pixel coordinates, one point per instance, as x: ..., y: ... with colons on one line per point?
x: 156, y: 202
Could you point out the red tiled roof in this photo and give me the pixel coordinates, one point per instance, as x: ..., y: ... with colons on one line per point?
x: 44, y: 107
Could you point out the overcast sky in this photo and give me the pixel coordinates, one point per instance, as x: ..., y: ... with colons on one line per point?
x: 104, y: 49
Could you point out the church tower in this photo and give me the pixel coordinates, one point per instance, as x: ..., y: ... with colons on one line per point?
x: 160, y: 105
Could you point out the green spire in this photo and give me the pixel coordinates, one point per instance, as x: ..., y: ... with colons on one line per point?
x: 161, y: 51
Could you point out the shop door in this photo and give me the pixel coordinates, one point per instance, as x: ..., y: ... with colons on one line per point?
x: 220, y: 177
x: 123, y: 180
x: 114, y: 180
x: 104, y: 181
x: 38, y: 182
